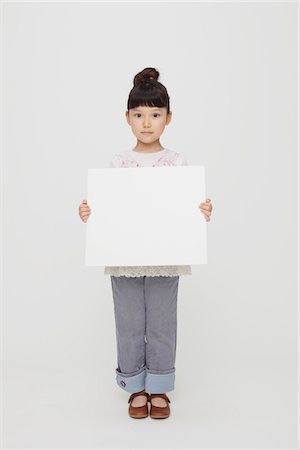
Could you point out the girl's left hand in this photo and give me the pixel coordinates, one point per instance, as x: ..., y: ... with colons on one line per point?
x: 206, y: 209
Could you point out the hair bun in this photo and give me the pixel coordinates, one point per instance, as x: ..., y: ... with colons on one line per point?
x: 146, y: 75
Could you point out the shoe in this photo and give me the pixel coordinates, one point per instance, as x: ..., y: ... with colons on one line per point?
x: 138, y: 412
x: 159, y: 412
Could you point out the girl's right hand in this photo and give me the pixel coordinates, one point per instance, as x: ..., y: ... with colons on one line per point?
x: 84, y: 211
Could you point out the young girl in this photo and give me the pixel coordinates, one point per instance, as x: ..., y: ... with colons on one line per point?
x: 145, y: 298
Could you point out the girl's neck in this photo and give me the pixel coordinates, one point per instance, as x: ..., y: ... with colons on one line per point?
x: 148, y: 148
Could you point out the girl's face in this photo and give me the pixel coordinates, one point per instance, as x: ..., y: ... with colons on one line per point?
x: 148, y: 119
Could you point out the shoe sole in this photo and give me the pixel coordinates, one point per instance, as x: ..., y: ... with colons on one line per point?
x: 159, y: 417
x: 138, y: 417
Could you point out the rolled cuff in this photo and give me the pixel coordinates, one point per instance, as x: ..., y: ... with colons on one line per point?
x: 159, y: 383
x: 153, y: 383
x: 133, y: 382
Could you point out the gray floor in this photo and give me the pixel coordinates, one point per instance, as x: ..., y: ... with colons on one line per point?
x: 58, y: 410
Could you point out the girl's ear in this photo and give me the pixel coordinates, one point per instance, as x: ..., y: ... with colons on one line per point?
x: 127, y: 117
x: 169, y: 117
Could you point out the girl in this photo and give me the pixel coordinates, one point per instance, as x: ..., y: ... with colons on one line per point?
x: 145, y: 298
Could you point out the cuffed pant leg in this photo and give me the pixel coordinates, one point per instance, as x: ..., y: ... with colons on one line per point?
x: 161, y: 333
x: 131, y: 382
x: 158, y: 383
x: 130, y: 320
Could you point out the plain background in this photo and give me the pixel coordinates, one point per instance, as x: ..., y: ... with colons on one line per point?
x: 231, y: 73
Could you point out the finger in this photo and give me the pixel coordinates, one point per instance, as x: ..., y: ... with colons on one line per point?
x: 84, y: 201
x: 208, y: 202
x: 205, y: 204
x: 206, y: 214
x: 205, y: 208
x: 203, y: 212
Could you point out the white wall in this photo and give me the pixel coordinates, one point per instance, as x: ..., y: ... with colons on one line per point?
x: 231, y: 73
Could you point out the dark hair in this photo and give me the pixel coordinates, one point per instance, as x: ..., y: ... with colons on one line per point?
x: 147, y: 91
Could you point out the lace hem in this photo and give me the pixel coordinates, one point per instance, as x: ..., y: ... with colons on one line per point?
x: 149, y: 271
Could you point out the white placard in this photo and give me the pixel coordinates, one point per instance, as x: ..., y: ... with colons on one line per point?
x: 146, y: 216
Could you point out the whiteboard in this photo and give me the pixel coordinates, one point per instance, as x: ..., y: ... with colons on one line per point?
x: 146, y: 216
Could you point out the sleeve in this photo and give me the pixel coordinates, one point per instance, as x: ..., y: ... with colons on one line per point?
x: 182, y: 161
x: 115, y: 162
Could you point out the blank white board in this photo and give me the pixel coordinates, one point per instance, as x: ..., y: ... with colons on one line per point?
x: 145, y: 217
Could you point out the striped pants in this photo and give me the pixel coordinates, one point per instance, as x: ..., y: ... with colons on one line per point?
x: 146, y: 330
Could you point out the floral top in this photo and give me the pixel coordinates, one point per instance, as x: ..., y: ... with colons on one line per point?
x: 132, y: 158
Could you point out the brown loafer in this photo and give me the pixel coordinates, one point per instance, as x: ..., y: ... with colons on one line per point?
x: 138, y: 412
x: 159, y: 412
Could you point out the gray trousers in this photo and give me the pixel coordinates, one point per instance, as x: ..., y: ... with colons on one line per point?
x: 146, y: 330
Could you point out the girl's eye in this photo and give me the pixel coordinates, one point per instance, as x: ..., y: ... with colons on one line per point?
x: 138, y: 114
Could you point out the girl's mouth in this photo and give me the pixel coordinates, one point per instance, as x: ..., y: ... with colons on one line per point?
x: 147, y: 132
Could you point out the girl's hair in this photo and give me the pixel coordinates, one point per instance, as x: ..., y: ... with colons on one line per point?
x: 147, y: 91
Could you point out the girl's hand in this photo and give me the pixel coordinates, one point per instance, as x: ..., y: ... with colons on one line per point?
x: 84, y: 211
x: 206, y: 209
